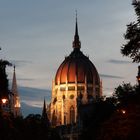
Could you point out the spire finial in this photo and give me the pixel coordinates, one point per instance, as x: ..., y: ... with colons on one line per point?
x: 76, y: 14
x: 14, y: 68
x: 44, y: 102
x: 76, y: 42
x: 76, y: 27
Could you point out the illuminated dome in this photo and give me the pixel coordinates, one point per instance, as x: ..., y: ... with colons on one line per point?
x: 76, y: 83
x: 76, y: 67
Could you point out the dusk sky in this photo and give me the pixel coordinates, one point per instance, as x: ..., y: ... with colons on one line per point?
x: 36, y: 35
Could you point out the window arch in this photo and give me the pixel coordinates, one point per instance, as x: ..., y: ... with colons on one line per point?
x: 72, y: 115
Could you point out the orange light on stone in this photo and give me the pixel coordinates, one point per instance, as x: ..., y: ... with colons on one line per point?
x: 4, y: 100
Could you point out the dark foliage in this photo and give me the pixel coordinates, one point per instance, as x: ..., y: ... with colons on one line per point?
x: 124, y: 123
x: 102, y: 111
x: 123, y: 92
x: 132, y: 46
x: 116, y: 118
x: 32, y: 127
x: 3, y: 78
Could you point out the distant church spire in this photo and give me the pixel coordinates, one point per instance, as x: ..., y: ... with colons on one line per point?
x: 76, y: 42
x: 44, y: 111
x: 45, y: 119
x: 14, y: 83
x: 15, y: 104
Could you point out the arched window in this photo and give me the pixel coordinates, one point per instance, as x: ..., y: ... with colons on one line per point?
x: 72, y: 115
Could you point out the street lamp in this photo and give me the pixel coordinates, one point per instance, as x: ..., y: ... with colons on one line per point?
x: 3, y: 103
x: 4, y: 100
x: 123, y: 111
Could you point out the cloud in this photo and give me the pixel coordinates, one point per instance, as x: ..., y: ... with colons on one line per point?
x: 19, y: 63
x: 32, y: 99
x: 110, y: 76
x: 23, y: 79
x: 27, y: 109
x: 115, y: 61
x: 34, y: 94
x: 31, y: 103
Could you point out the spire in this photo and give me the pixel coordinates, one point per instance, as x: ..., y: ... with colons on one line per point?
x: 14, y: 83
x: 76, y: 42
x: 15, y: 103
x: 76, y: 27
x: 44, y: 111
x: 44, y: 115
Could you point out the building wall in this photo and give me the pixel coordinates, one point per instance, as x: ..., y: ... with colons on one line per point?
x: 64, y: 101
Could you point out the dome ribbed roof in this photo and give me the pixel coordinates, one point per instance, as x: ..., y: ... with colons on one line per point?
x: 76, y: 66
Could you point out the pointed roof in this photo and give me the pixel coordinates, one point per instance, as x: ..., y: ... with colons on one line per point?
x: 15, y: 99
x: 45, y: 119
x: 14, y: 83
x: 44, y: 111
x: 76, y: 42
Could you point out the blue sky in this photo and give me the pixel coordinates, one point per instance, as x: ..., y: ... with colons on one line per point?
x: 36, y: 35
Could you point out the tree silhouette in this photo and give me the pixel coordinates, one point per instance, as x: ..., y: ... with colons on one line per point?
x: 122, y: 92
x: 124, y: 123
x: 132, y: 36
x: 3, y: 78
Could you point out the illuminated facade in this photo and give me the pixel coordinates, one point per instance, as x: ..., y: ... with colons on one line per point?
x: 76, y: 82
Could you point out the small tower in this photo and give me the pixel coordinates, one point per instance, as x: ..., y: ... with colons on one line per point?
x: 44, y: 111
x: 15, y: 100
x: 45, y: 119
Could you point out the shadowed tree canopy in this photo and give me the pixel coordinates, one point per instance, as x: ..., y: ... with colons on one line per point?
x: 3, y: 77
x: 124, y: 123
x: 132, y: 36
x: 124, y: 90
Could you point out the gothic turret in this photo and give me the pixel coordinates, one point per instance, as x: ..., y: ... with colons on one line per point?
x: 44, y: 111
x: 15, y: 100
x: 45, y: 119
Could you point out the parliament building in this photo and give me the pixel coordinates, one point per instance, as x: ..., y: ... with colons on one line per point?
x: 76, y: 83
